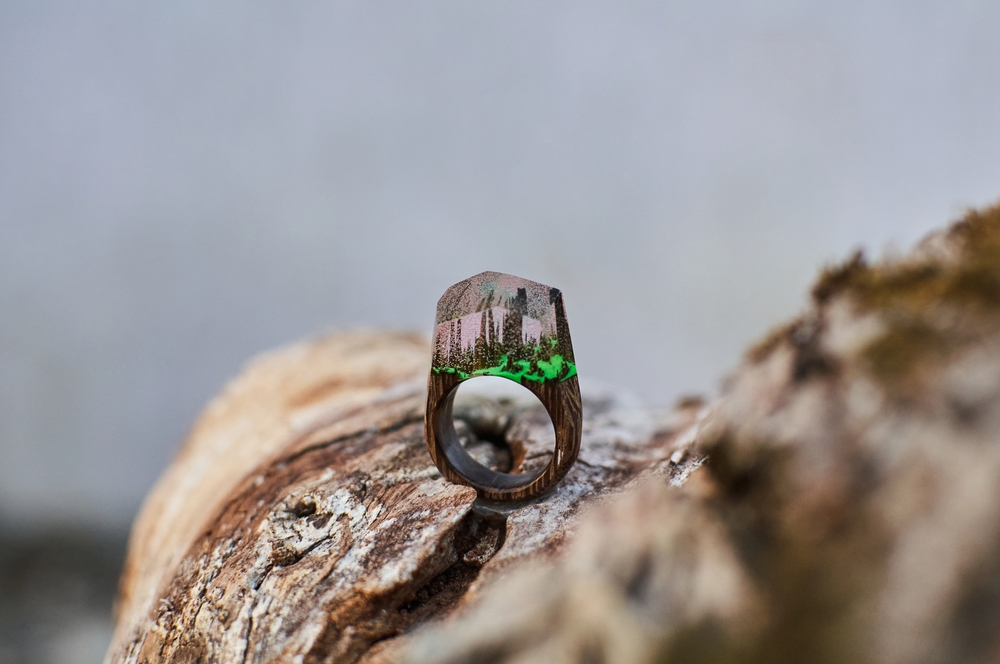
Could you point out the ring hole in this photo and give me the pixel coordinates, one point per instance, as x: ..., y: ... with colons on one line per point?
x: 503, y: 426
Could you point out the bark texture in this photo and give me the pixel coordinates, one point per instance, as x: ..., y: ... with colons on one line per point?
x: 304, y: 520
x: 840, y: 502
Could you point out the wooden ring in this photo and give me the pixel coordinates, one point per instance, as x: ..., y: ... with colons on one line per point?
x: 496, y: 324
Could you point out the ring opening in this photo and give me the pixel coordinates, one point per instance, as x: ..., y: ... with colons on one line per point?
x: 502, y: 427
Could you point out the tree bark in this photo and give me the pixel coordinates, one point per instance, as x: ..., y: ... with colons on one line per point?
x: 303, y: 520
x: 839, y: 502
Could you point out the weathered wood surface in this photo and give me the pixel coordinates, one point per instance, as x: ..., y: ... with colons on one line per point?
x: 848, y: 508
x: 304, y: 520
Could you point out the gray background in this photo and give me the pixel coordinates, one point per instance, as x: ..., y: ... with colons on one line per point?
x: 184, y: 184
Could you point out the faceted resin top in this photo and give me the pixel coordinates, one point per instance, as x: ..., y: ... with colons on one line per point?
x: 495, y: 324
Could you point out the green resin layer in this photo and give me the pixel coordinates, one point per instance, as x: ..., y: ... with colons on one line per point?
x: 555, y: 368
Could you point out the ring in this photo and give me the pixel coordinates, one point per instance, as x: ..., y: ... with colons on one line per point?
x: 496, y: 324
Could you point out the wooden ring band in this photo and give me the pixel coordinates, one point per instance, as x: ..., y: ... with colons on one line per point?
x: 496, y: 324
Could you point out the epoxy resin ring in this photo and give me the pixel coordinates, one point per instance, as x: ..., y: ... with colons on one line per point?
x: 496, y: 324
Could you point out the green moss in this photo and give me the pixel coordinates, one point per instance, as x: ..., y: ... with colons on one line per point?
x: 895, y: 357
x: 912, y: 287
x: 838, y: 278
x: 979, y: 234
x: 907, y: 295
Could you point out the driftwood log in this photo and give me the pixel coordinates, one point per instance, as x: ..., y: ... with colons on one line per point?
x: 839, y: 503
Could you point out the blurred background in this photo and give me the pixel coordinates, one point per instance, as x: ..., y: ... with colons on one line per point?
x: 186, y: 184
